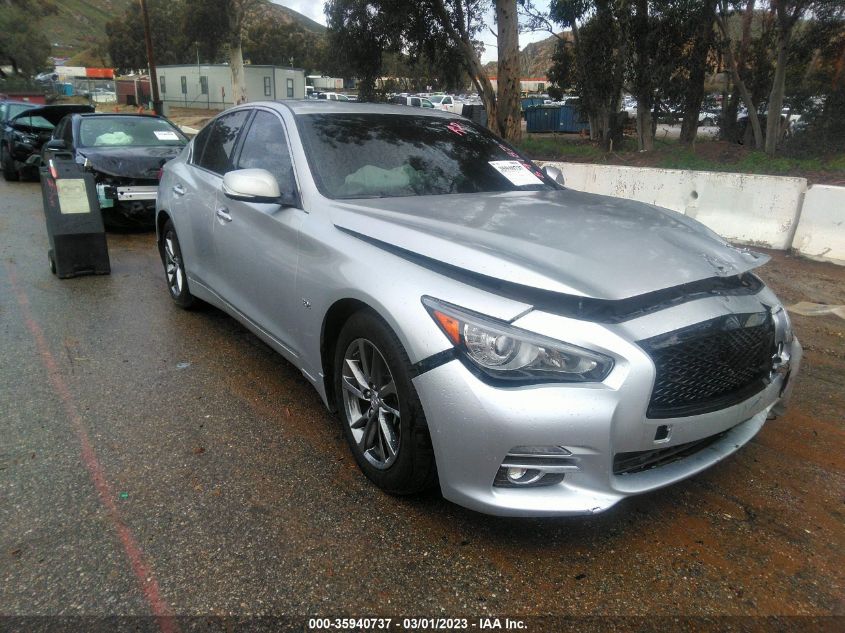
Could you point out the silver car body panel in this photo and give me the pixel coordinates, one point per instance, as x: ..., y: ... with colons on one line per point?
x: 547, y: 240
x: 281, y: 270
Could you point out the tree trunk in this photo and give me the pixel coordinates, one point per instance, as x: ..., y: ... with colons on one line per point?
x: 645, y: 134
x: 695, y: 86
x: 236, y: 65
x: 507, y: 100
x: 729, y: 114
x: 611, y: 119
x: 773, y: 124
x: 643, y: 85
x: 740, y: 85
x: 730, y: 109
x: 460, y: 35
x: 604, y: 132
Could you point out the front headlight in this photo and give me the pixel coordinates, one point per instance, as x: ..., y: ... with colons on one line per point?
x: 504, y: 352
x: 23, y: 137
x: 783, y: 324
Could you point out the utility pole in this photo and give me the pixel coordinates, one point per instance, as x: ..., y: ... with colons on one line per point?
x: 157, y: 104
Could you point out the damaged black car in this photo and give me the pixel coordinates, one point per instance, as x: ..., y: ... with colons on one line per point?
x: 25, y: 131
x: 126, y: 153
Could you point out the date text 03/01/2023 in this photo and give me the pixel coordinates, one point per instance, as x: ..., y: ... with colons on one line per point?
x: 415, y: 624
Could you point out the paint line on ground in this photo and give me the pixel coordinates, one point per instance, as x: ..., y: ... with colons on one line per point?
x: 140, y: 567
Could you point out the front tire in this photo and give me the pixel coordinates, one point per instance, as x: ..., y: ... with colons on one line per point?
x: 174, y: 268
x: 382, y: 417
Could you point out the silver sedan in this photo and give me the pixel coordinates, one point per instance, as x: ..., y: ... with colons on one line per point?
x: 476, y: 325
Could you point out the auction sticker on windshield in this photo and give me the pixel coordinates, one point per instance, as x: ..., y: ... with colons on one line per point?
x: 166, y: 135
x: 516, y: 172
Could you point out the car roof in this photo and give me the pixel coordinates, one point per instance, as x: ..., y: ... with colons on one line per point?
x: 310, y: 106
x: 14, y: 102
x: 92, y: 115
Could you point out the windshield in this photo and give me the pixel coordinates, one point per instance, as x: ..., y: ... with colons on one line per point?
x: 34, y: 122
x: 16, y: 108
x: 135, y: 131
x: 377, y: 155
x: 437, y: 99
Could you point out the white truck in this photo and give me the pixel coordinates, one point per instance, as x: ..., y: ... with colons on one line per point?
x: 447, y: 103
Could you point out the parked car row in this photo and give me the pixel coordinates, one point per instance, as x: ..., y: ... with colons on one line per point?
x: 333, y: 96
x: 532, y: 349
x: 438, y: 101
x: 416, y: 102
x: 124, y: 151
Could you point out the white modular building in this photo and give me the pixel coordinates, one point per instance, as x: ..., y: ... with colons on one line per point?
x: 210, y: 85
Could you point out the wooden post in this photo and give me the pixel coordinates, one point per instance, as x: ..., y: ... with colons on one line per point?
x: 157, y: 105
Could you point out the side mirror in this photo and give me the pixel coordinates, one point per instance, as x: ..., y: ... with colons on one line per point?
x: 56, y: 145
x: 252, y: 185
x: 554, y: 174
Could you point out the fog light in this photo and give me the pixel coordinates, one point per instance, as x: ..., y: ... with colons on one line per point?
x: 523, y: 476
x: 518, y: 477
x: 515, y: 474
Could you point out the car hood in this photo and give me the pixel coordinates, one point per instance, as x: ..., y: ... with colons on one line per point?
x: 561, y: 241
x: 128, y: 162
x: 53, y: 113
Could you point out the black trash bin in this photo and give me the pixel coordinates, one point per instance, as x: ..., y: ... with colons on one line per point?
x: 74, y: 221
x: 475, y: 113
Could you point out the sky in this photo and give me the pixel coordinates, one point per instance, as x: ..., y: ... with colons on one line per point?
x: 314, y: 10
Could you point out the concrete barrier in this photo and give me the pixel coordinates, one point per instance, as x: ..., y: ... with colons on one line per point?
x: 742, y: 208
x: 821, y: 230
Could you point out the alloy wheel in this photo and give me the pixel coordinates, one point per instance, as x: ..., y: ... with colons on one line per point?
x: 173, y: 267
x: 371, y: 402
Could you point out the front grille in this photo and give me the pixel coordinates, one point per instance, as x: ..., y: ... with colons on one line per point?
x: 639, y: 461
x: 710, y: 365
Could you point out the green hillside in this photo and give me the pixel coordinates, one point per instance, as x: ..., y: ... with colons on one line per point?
x: 534, y: 60
x: 80, y: 23
x: 303, y: 20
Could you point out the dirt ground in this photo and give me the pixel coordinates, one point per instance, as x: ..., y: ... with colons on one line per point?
x: 157, y: 462
x: 796, y: 279
x: 192, y: 117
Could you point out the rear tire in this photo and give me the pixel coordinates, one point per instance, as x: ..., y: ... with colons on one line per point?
x: 372, y: 383
x: 174, y: 268
x: 10, y: 172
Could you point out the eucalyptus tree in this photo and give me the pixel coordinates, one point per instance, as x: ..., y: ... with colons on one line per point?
x: 362, y: 31
x: 23, y: 45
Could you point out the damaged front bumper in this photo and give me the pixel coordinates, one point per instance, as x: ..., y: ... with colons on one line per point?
x: 108, y: 194
x: 593, y: 444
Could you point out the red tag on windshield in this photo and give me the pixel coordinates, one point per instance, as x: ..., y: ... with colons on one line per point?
x: 456, y: 128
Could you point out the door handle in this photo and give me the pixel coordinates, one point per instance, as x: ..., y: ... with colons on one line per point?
x: 223, y: 214
x: 179, y: 190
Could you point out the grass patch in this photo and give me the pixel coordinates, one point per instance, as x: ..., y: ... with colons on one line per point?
x: 550, y: 148
x: 705, y: 155
x: 752, y: 162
